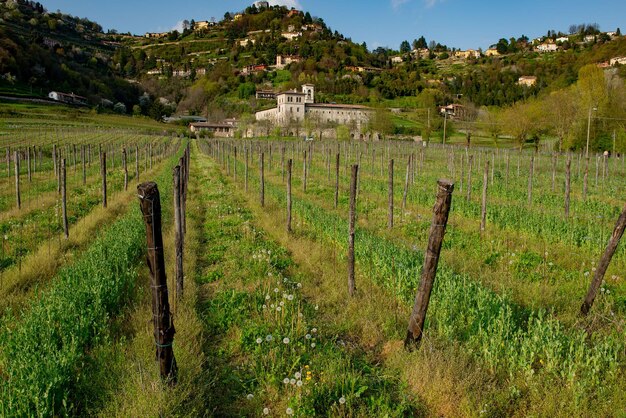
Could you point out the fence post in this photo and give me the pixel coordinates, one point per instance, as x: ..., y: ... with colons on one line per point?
x: 150, y: 203
x: 406, y: 184
x: 469, y: 177
x: 390, y: 196
x: 431, y: 259
x: 337, y: 162
x: 289, y: 202
x: 103, y: 172
x: 30, y: 178
x: 352, y: 216
x: 16, y: 165
x: 124, y: 166
x: 304, y: 172
x: 64, y: 198
x: 568, y: 183
x: 483, y: 216
x: 530, y: 180
x: 246, y: 172
x: 262, y: 179
x: 178, y: 227
x: 598, y: 276
x: 136, y: 162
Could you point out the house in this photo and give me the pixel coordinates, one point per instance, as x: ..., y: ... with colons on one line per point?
x: 237, y: 17
x: 181, y: 73
x: 261, y: 4
x: 547, y: 47
x: 69, y: 98
x: 294, y: 12
x: 251, y: 69
x: 295, y: 106
x: 527, y: 80
x: 284, y: 60
x: 420, y: 53
x: 245, y: 42
x: 562, y: 39
x: 290, y: 36
x: 589, y: 39
x: 155, y: 35
x: 202, y: 25
x: 453, y: 111
x: 201, y: 72
x: 470, y: 53
x: 397, y: 60
x: 220, y: 130
x: 492, y: 52
x: 612, y: 35
x: 154, y: 72
x: 617, y: 61
x: 266, y: 94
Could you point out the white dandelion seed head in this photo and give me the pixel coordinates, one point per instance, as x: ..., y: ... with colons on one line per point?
x: 298, y: 375
x: 290, y: 297
x: 259, y: 340
x: 267, y: 297
x: 314, y: 330
x: 286, y: 380
x: 299, y: 285
x: 308, y: 336
x: 285, y: 340
x: 342, y: 400
x: 250, y: 396
x: 276, y: 290
x: 289, y: 411
x: 266, y: 411
x: 299, y: 383
x: 312, y: 345
x: 282, y: 303
x: 269, y: 337
x: 264, y: 306
x: 278, y: 309
x: 292, y: 381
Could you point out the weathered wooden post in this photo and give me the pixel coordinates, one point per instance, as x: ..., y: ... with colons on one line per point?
x: 82, y: 160
x: 136, y: 162
x: 568, y: 183
x: 586, y: 178
x: 352, y: 222
x: 289, y: 202
x: 262, y: 179
x: 390, y: 196
x: 469, y: 178
x: 8, y: 156
x: 125, y: 168
x: 431, y: 259
x: 235, y: 164
x: 304, y: 172
x: 406, y: 183
x: 618, y: 231
x: 553, y: 172
x: 178, y: 231
x: 54, y: 159
x: 150, y: 203
x: 337, y: 162
x: 530, y: 180
x: 64, y: 198
x: 30, y: 178
x: 103, y: 173
x: 246, y: 172
x: 483, y: 216
x: 16, y: 165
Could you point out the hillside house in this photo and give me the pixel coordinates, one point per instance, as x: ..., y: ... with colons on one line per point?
x: 397, y: 60
x: 547, y: 47
x: 617, y: 61
x: 290, y: 36
x: 266, y: 94
x: 470, y: 53
x: 527, y: 80
x: 251, y: 69
x: 562, y: 39
x: 295, y: 106
x: 203, y: 25
x: 262, y: 4
x: 589, y: 39
x: 69, y: 98
x: 284, y: 60
x: 151, y: 35
x: 492, y: 52
x: 245, y: 42
x: 453, y: 111
x: 420, y: 53
x: 294, y: 12
x: 218, y: 130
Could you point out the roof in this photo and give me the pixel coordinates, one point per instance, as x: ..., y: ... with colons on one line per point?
x: 339, y: 106
x: 210, y: 125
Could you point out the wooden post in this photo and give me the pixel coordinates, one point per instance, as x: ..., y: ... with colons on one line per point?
x: 8, y: 162
x: 304, y: 172
x: 586, y: 178
x: 178, y: 231
x: 352, y: 222
x: 337, y: 161
x: 469, y: 178
x: 262, y: 179
x: 82, y: 159
x: 246, y: 171
x: 530, y: 180
x: 136, y: 162
x: 150, y: 203
x: 568, y: 183
x: 390, y: 196
x: 282, y: 163
x: 54, y: 159
x: 553, y: 172
x: 289, y: 202
x: 618, y: 231
x: 483, y: 216
x: 124, y: 166
x: 64, y: 198
x: 406, y: 183
x: 16, y: 165
x: 30, y: 178
x: 431, y: 259
x: 235, y: 164
x: 103, y: 172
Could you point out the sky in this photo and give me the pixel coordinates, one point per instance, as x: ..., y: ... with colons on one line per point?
x: 461, y: 24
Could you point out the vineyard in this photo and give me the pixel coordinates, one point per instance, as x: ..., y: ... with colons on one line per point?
x: 281, y: 276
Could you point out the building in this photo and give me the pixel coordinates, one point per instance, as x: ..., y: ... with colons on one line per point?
x: 453, y: 111
x: 202, y: 25
x: 562, y: 39
x: 251, y: 69
x: 397, y: 60
x: 617, y: 61
x: 284, y: 60
x: 590, y: 39
x: 155, y: 35
x: 294, y: 12
x: 69, y: 98
x: 219, y: 130
x: 492, y: 52
x: 266, y: 94
x: 294, y: 106
x: 261, y: 4
x: 527, y: 80
x: 290, y: 36
x: 237, y: 17
x: 547, y: 47
x: 247, y: 41
x: 470, y: 53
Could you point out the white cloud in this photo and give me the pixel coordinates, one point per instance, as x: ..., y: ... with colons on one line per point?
x: 288, y: 3
x: 178, y: 26
x: 432, y: 3
x: 397, y: 3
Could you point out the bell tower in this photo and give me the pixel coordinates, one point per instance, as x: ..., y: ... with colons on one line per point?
x: 309, y: 91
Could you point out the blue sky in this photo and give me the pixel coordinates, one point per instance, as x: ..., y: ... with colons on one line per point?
x: 456, y: 23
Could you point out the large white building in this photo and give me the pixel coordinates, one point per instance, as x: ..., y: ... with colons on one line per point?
x: 294, y: 106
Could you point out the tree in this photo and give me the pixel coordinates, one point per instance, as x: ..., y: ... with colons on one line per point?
x: 405, y: 47
x: 421, y: 43
x: 561, y: 109
x: 502, y: 46
x: 381, y: 122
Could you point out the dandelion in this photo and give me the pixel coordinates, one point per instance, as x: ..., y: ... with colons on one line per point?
x: 276, y: 290
x: 316, y: 307
x: 282, y: 303
x: 308, y: 336
x: 285, y: 280
x: 269, y: 338
x: 250, y: 396
x: 267, y: 297
x: 298, y: 375
x: 266, y: 411
x: 286, y: 380
x: 299, y: 285
x: 586, y: 273
x: 550, y: 263
x: 314, y: 330
x: 264, y: 306
x: 272, y: 306
x: 290, y: 297
x: 285, y: 340
x: 292, y: 381
x: 289, y: 411
x: 342, y: 400
x: 269, y: 274
x: 593, y: 269
x: 278, y: 309
x: 259, y: 340
x: 312, y: 345
x: 299, y: 383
